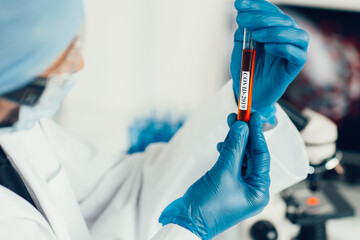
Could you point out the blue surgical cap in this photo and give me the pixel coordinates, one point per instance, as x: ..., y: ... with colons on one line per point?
x: 33, y: 34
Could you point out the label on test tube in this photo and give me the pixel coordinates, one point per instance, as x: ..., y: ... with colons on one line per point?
x: 246, y: 78
x: 244, y: 91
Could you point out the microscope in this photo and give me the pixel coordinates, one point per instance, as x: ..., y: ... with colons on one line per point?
x: 302, y: 211
x: 310, y: 204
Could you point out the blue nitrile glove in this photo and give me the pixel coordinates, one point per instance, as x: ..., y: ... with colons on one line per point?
x: 281, y: 53
x: 224, y: 196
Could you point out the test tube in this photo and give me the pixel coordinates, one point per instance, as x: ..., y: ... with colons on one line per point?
x: 246, y: 78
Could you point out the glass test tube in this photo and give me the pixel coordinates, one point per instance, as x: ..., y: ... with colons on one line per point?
x: 246, y: 78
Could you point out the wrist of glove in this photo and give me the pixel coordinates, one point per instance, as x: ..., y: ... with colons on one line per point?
x: 236, y: 188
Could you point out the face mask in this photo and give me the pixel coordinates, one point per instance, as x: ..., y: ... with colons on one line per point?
x: 47, y: 106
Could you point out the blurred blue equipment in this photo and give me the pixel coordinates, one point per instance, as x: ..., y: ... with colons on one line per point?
x: 143, y: 132
x: 227, y: 194
x: 280, y: 53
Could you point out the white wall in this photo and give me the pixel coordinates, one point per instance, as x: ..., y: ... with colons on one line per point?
x: 140, y: 55
x: 146, y: 54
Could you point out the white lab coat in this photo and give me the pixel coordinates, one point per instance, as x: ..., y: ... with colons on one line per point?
x: 83, y: 193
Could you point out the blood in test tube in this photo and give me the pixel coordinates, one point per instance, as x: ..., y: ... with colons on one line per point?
x: 246, y: 77
x: 246, y: 84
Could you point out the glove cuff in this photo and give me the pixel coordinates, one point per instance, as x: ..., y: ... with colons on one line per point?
x: 179, y: 213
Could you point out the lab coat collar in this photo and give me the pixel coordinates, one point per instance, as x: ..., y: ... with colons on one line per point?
x: 29, y: 153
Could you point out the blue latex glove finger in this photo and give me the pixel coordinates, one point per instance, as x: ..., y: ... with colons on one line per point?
x: 222, y: 197
x: 256, y: 20
x: 296, y: 57
x: 280, y: 53
x: 231, y: 119
x: 219, y: 146
x: 256, y: 5
x: 294, y: 36
x: 233, y: 149
x: 258, y: 168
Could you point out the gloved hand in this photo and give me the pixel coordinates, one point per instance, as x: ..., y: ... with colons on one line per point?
x: 281, y: 53
x: 224, y: 196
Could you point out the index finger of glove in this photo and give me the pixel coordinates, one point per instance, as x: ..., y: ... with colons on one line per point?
x: 257, y: 147
x: 256, y: 20
x: 288, y: 35
x: 255, y: 5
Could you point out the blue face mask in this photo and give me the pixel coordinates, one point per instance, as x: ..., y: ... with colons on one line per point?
x: 47, y: 104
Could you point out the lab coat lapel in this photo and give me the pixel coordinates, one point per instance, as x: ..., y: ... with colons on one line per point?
x: 46, y: 180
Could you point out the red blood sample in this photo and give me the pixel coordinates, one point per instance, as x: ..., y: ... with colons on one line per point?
x: 246, y: 85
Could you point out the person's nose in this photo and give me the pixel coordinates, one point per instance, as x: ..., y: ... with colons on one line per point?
x: 80, y: 64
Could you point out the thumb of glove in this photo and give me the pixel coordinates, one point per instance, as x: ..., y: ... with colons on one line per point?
x: 233, y: 148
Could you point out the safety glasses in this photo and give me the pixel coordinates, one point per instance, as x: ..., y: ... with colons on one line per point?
x: 28, y: 95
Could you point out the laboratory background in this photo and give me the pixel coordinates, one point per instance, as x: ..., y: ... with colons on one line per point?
x: 150, y: 64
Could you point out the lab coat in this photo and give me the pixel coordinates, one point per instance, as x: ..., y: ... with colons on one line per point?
x: 83, y: 193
